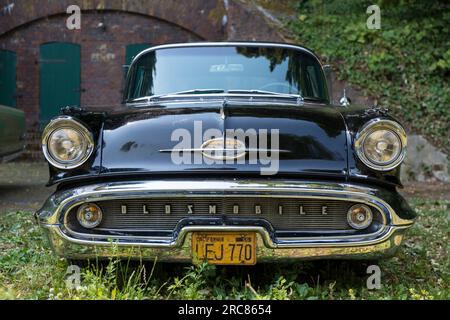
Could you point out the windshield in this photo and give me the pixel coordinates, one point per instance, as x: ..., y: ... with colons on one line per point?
x: 227, y: 69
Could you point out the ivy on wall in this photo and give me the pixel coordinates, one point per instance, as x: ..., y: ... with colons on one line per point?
x: 405, y: 64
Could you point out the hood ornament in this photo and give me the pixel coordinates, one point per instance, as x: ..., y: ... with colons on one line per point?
x: 344, y: 101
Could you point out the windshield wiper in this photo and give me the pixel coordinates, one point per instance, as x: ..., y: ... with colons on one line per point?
x: 212, y: 91
x: 193, y: 91
x: 255, y: 91
x: 313, y: 98
x: 196, y: 91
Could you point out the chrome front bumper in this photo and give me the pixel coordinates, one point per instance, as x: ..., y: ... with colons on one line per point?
x: 271, y: 247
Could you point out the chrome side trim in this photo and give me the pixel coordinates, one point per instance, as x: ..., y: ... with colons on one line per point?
x: 224, y: 149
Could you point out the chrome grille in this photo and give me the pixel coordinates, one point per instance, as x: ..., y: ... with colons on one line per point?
x: 290, y: 220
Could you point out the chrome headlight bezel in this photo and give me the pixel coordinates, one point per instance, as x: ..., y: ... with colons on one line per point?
x: 68, y: 123
x: 381, y: 124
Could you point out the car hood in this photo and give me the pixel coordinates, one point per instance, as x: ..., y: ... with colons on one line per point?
x: 312, y: 138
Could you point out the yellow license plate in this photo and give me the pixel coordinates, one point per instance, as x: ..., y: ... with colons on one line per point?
x: 226, y: 248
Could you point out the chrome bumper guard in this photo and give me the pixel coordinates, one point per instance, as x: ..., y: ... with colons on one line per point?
x: 271, y: 247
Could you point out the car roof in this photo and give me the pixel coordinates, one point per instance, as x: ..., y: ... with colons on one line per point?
x: 227, y: 43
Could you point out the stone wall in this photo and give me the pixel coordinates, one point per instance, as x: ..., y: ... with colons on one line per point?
x: 424, y: 162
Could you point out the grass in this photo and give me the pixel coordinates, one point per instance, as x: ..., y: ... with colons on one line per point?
x: 420, y: 270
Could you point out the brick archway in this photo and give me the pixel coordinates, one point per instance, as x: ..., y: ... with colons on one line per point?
x: 203, y: 18
x: 103, y: 52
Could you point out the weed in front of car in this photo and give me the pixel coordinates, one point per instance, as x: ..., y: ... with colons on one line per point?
x: 420, y: 270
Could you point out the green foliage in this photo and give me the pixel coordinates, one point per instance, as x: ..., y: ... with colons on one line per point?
x: 405, y: 64
x: 29, y: 270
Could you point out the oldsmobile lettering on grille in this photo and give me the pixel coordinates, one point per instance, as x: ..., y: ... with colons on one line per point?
x: 212, y: 209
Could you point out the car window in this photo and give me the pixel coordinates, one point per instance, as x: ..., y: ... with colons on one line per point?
x: 274, y: 69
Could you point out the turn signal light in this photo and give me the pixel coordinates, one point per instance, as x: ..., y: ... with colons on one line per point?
x: 359, y: 216
x: 89, y: 215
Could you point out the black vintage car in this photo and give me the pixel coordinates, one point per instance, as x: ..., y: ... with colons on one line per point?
x: 226, y: 152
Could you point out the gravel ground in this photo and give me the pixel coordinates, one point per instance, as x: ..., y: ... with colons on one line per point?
x: 427, y: 190
x: 22, y: 187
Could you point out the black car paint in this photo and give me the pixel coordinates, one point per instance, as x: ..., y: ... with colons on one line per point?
x: 318, y: 138
x: 129, y: 142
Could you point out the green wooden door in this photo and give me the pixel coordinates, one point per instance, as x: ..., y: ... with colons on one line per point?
x: 7, y: 78
x: 133, y: 49
x: 59, y: 78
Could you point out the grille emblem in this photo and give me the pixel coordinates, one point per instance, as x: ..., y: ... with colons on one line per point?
x: 212, y: 209
x: 283, y: 213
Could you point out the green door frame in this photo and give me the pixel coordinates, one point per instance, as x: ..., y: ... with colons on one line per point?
x: 8, y: 61
x: 131, y: 51
x: 59, y: 78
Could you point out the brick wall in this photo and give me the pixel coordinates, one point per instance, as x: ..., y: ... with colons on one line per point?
x: 25, y: 25
x: 102, y: 53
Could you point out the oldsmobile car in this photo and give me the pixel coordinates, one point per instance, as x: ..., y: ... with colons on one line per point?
x: 226, y: 152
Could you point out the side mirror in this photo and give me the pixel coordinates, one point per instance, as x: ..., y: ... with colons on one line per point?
x: 328, y: 70
x: 345, y: 101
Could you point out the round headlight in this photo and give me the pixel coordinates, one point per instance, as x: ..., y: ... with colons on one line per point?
x: 66, y: 143
x: 381, y: 144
